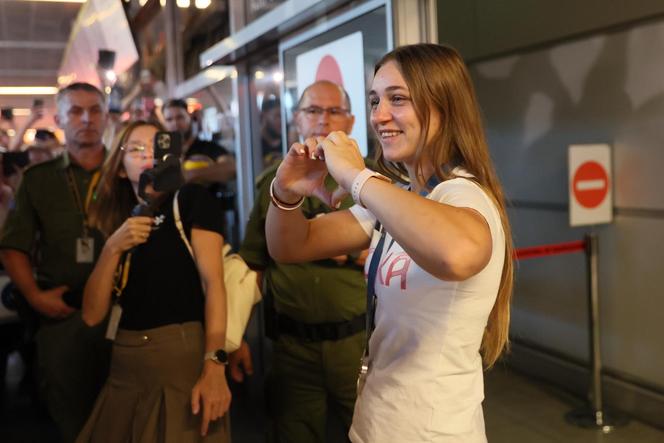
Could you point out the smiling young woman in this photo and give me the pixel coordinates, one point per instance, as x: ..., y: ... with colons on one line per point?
x: 440, y: 270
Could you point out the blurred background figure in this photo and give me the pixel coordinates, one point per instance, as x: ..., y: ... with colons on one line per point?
x: 270, y: 121
x: 7, y: 127
x: 45, y: 138
x: 36, y: 114
x: 38, y: 154
x: 5, y: 139
x: 6, y: 195
x: 205, y: 162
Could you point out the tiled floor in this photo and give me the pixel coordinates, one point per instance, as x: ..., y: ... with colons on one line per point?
x: 517, y: 410
x: 520, y: 410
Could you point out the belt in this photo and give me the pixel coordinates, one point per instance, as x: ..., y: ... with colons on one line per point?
x: 320, y: 331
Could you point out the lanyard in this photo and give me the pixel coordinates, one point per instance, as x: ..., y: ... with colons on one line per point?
x: 431, y: 183
x: 372, y: 300
x: 83, y: 209
x: 122, y: 276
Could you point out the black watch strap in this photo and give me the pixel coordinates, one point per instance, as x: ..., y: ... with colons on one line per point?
x: 219, y: 356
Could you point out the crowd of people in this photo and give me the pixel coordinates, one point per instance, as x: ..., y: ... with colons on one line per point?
x: 386, y: 281
x: 15, y: 155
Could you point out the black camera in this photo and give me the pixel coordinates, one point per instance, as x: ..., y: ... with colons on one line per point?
x: 166, y: 175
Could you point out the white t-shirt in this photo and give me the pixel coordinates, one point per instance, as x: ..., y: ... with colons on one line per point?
x: 425, y: 381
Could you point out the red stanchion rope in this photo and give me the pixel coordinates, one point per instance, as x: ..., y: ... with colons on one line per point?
x: 543, y: 250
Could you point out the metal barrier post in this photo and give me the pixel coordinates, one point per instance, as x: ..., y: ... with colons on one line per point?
x: 593, y: 321
x: 595, y: 416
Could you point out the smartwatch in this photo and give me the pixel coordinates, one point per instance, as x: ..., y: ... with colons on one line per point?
x: 219, y: 356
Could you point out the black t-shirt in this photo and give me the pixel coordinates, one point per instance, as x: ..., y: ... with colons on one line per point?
x: 213, y: 151
x: 164, y: 286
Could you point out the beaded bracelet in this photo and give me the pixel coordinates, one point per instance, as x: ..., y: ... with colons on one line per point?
x: 283, y: 205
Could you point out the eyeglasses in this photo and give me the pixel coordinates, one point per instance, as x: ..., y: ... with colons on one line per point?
x: 137, y: 150
x: 317, y: 112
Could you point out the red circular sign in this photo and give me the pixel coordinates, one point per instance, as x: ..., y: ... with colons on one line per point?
x: 328, y: 69
x: 590, y: 184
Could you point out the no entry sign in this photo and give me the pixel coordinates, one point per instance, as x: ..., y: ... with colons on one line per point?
x: 590, y: 196
x: 590, y: 184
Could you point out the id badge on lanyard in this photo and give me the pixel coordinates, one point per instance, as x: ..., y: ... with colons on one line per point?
x: 85, y: 249
x: 85, y: 245
x: 114, y: 321
x: 121, y: 278
x: 362, y: 376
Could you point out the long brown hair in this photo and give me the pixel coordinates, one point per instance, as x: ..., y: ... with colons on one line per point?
x: 438, y: 80
x: 114, y: 198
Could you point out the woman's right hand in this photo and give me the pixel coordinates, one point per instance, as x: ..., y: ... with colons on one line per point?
x: 133, y: 232
x: 301, y: 175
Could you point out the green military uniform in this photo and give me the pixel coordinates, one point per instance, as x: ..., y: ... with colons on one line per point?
x: 310, y: 365
x: 72, y: 359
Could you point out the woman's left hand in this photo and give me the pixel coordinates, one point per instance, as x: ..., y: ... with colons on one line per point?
x: 342, y: 157
x: 212, y: 391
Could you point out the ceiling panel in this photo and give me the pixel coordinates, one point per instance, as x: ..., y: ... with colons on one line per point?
x: 33, y: 36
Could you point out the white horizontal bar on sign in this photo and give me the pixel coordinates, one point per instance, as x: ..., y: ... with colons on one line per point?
x: 591, y: 185
x: 271, y: 20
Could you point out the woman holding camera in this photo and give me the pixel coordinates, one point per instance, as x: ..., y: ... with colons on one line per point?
x: 167, y: 378
x: 440, y: 266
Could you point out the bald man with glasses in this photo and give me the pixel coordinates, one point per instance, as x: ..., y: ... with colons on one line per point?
x: 315, y: 312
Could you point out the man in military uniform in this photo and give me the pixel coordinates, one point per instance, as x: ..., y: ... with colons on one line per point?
x: 318, y: 309
x: 49, y: 219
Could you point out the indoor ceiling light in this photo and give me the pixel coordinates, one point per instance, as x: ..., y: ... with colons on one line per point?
x: 182, y: 3
x: 202, y: 4
x: 28, y: 90
x: 21, y: 112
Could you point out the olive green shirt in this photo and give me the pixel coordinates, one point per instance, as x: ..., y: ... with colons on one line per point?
x: 45, y: 223
x: 314, y: 292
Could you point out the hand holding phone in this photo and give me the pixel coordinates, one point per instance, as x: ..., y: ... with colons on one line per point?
x: 14, y: 161
x: 37, y: 111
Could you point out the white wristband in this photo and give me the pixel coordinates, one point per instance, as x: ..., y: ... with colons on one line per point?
x: 360, y: 181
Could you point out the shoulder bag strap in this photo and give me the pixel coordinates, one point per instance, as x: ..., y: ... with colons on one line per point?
x: 178, y: 224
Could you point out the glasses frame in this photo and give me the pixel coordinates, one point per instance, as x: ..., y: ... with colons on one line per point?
x: 318, y: 111
x: 137, y: 149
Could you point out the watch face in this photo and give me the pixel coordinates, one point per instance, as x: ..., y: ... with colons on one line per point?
x: 221, y: 356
